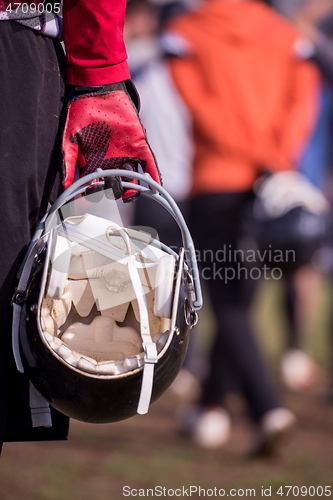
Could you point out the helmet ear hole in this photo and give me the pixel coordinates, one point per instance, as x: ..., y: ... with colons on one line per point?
x: 165, y: 275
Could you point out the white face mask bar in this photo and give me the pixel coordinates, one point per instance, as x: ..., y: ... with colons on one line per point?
x: 156, y: 192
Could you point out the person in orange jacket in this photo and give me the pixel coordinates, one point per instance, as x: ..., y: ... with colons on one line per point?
x: 253, y: 99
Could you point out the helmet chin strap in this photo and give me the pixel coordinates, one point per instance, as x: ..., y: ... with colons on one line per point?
x: 150, y: 358
x: 147, y: 342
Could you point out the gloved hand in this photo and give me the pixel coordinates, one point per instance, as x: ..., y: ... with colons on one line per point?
x: 103, y: 130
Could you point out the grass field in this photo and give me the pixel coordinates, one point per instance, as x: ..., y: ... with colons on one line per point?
x: 147, y: 457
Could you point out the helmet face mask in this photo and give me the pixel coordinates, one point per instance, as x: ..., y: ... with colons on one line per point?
x: 105, y: 324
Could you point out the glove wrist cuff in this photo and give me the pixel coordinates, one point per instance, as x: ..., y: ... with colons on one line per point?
x: 95, y: 88
x: 78, y: 90
x: 126, y: 86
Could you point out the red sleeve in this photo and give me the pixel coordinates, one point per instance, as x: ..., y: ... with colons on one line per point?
x: 93, y: 36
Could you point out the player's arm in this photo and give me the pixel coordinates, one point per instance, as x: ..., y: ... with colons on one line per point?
x: 102, y: 129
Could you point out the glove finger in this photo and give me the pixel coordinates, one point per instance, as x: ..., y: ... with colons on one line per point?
x: 70, y: 154
x: 152, y: 169
x: 130, y: 195
x: 149, y: 164
x: 94, y: 193
x: 113, y: 188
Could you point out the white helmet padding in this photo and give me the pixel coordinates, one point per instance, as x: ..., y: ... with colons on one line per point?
x: 95, y: 263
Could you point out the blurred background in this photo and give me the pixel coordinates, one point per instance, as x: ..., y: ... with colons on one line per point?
x: 290, y: 314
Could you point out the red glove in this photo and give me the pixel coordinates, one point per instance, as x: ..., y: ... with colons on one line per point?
x: 103, y: 130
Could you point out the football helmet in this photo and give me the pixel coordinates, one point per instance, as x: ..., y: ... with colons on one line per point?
x: 102, y: 312
x: 288, y: 217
